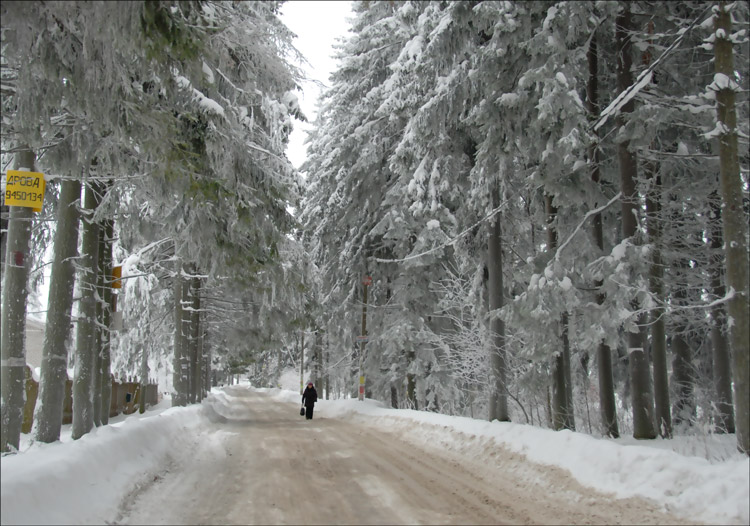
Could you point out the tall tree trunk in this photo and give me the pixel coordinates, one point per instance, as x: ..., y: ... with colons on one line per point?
x: 15, y: 293
x: 562, y: 389
x: 683, y: 378
x: 656, y: 285
x: 735, y: 226
x: 362, y: 346
x: 570, y: 422
x: 682, y: 366
x: 181, y: 365
x: 326, y: 362
x: 498, y: 397
x: 105, y: 375
x: 195, y: 331
x: 302, y: 363
x: 85, y: 373
x: 411, y: 383
x: 608, y: 407
x: 318, y: 359
x: 722, y: 369
x: 207, y: 379
x: 144, y: 379
x: 49, y: 412
x: 201, y: 358
x: 640, y: 374
x: 98, y: 337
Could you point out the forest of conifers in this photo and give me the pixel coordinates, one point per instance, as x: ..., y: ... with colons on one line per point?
x: 526, y: 211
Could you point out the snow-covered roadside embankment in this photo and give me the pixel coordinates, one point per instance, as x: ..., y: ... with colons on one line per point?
x: 84, y: 481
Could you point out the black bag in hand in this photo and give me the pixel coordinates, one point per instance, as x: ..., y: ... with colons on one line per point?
x: 302, y: 411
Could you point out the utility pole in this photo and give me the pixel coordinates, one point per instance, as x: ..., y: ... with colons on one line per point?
x: 367, y: 281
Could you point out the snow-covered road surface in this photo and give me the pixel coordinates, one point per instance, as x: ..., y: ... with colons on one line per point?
x: 262, y: 463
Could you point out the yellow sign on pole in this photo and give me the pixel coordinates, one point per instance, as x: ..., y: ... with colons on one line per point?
x: 24, y: 189
x: 116, y: 277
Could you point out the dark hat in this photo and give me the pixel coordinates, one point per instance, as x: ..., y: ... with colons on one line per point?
x: 309, y: 383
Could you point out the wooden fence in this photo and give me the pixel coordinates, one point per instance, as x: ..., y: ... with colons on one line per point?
x: 126, y: 398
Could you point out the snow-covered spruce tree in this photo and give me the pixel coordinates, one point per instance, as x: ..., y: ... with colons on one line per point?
x: 607, y: 404
x: 508, y: 148
x: 350, y: 181
x: 673, y: 111
x: 675, y: 219
x: 71, y: 54
x: 553, y: 85
x: 642, y: 395
x: 418, y: 208
x: 734, y: 217
x: 221, y: 186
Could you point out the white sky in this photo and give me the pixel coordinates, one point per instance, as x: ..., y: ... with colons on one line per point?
x: 85, y: 481
x: 317, y: 25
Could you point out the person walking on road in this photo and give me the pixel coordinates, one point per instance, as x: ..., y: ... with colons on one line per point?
x: 309, y: 397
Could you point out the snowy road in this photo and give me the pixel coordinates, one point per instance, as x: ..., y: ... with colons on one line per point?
x: 265, y: 464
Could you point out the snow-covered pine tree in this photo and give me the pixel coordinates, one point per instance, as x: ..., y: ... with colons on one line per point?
x: 734, y: 216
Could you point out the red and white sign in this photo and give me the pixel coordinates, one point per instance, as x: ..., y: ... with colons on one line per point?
x: 367, y: 281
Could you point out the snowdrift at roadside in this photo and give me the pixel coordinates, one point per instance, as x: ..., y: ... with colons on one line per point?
x: 83, y: 481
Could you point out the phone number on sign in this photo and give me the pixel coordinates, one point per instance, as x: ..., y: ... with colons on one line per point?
x: 20, y: 195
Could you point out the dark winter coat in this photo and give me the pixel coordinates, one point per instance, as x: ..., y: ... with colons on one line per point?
x: 309, y: 397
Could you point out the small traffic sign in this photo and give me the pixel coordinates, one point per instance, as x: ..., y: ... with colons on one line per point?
x: 367, y: 281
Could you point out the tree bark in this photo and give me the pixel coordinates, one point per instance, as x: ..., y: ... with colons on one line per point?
x: 98, y: 336
x: 498, y: 406
x: 195, y: 331
x: 562, y: 389
x: 640, y: 374
x: 15, y: 295
x: 411, y: 384
x: 302, y: 363
x: 326, y: 362
x: 608, y: 408
x: 682, y: 376
x: 735, y: 229
x: 206, y: 351
x: 658, y: 326
x: 722, y: 369
x: 144, y: 379
x: 86, y: 352
x: 54, y: 374
x: 105, y: 375
x: 318, y: 354
x: 181, y: 365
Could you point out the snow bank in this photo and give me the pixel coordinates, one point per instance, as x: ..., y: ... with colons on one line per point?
x: 84, y: 481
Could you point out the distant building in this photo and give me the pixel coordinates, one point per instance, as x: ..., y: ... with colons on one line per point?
x: 34, y: 342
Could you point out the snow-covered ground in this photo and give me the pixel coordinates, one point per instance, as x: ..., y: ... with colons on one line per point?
x: 85, y: 481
